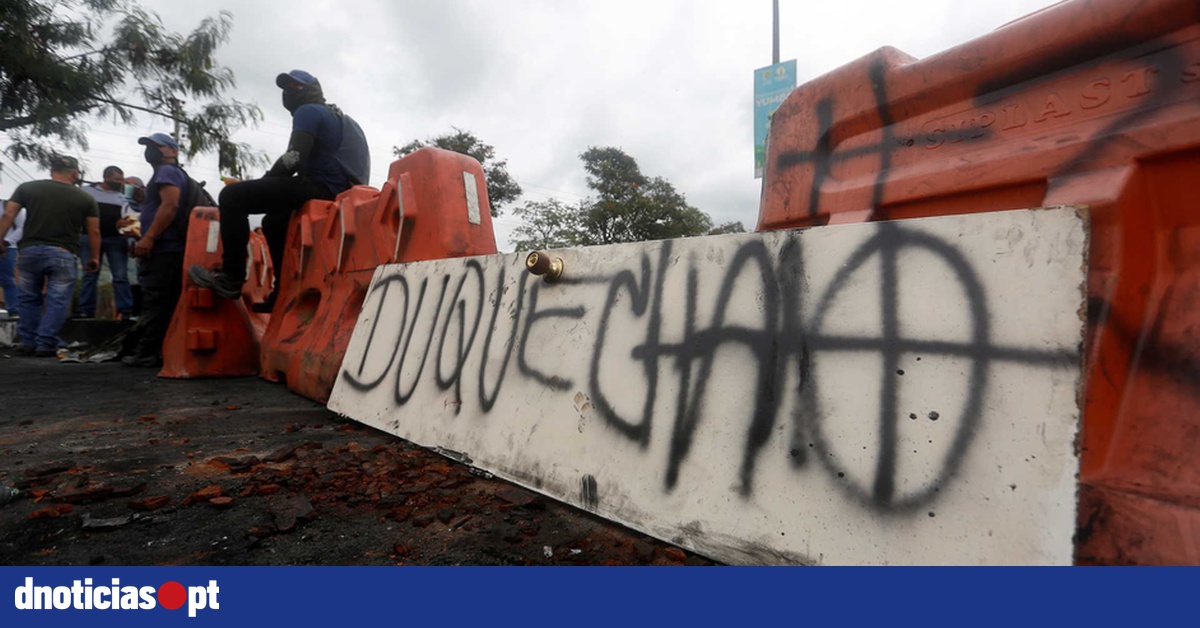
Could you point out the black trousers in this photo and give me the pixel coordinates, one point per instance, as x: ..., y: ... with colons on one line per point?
x: 276, y: 197
x: 162, y: 283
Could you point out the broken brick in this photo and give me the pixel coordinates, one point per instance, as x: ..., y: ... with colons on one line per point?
x: 85, y: 495
x: 290, y: 510
x: 221, y: 502
x: 516, y: 496
x: 56, y: 510
x: 203, y: 495
x: 236, y: 464
x: 261, y: 532
x: 289, y: 451
x: 50, y: 468
x: 675, y: 554
x: 150, y: 503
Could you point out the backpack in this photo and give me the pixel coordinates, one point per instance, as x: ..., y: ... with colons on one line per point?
x: 353, y: 155
x: 192, y: 196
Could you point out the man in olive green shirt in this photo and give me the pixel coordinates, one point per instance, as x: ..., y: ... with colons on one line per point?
x: 56, y: 212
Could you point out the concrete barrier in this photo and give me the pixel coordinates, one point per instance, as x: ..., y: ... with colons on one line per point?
x: 883, y: 393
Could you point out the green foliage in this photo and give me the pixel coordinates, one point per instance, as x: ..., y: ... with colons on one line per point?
x: 501, y: 187
x: 63, y: 62
x: 547, y: 225
x: 629, y: 207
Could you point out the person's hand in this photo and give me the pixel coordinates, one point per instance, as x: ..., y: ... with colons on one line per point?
x: 93, y: 265
x: 143, y: 246
x: 125, y: 221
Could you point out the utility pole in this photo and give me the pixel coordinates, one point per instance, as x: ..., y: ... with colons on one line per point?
x: 775, y: 32
x: 177, y: 115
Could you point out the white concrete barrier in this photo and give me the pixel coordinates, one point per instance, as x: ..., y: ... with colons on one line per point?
x: 8, y: 331
x: 885, y: 393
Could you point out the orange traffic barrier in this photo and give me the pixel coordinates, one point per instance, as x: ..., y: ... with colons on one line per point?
x: 210, y: 336
x: 260, y: 280
x: 434, y: 205
x: 1089, y: 102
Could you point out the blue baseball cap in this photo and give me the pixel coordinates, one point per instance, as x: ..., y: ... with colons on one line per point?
x: 160, y: 139
x: 295, y: 76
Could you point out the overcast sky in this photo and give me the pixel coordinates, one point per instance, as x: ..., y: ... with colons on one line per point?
x: 669, y: 82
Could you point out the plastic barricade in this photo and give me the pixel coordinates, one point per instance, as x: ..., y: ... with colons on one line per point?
x: 209, y: 336
x: 1092, y: 103
x: 434, y: 205
x: 260, y: 280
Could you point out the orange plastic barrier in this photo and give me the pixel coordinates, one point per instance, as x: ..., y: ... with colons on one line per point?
x: 434, y: 205
x: 1092, y: 102
x: 260, y: 280
x: 210, y: 336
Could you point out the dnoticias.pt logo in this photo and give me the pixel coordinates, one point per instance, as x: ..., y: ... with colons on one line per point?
x: 84, y: 596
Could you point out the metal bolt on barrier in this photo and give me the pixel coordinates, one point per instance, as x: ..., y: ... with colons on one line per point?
x: 550, y: 270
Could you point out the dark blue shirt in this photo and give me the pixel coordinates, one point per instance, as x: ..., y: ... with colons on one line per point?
x: 171, y: 240
x: 322, y: 167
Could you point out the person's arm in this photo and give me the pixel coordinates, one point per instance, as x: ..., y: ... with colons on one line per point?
x: 169, y: 195
x: 300, y: 147
x: 11, y: 209
x: 93, y: 229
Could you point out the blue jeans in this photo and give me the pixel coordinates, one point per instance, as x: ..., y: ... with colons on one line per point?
x: 8, y: 282
x: 116, y: 250
x: 53, y: 268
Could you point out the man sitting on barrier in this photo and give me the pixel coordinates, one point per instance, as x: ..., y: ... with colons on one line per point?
x: 326, y: 155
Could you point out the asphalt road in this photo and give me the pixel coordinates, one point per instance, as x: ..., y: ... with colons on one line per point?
x: 118, y: 467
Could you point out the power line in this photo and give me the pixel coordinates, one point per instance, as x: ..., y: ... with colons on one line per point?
x: 28, y: 177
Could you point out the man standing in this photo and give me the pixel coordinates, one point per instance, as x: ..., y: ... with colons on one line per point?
x: 56, y: 212
x: 113, y: 245
x: 8, y: 266
x: 160, y: 248
x: 326, y: 155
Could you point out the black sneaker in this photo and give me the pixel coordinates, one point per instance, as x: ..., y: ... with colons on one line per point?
x: 267, y: 306
x: 216, y: 281
x: 45, y: 353
x: 150, y: 361
x: 23, y: 350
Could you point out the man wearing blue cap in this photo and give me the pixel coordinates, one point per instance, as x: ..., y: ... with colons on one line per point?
x: 160, y: 247
x: 327, y: 154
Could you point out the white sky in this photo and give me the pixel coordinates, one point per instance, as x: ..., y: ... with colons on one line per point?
x: 668, y: 81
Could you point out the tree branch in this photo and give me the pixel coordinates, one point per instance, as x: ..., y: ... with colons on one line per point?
x: 13, y: 123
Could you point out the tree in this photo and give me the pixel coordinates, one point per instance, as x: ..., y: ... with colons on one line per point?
x: 547, y: 225
x: 728, y: 227
x: 630, y: 207
x: 63, y: 62
x: 501, y: 187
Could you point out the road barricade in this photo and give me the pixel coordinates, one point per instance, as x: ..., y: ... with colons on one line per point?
x: 1092, y: 103
x: 210, y: 336
x: 434, y: 205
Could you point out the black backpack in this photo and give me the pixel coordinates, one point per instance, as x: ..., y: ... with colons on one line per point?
x: 192, y: 196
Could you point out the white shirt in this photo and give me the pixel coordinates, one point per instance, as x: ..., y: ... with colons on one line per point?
x: 16, y: 230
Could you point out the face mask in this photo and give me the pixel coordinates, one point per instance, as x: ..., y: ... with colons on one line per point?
x: 291, y: 100
x: 154, y: 156
x: 128, y: 193
x: 115, y: 186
